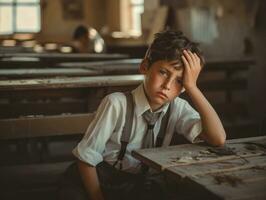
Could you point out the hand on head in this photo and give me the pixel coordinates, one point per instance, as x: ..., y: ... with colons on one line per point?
x: 192, y: 68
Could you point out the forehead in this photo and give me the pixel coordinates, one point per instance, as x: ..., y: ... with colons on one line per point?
x: 174, y: 65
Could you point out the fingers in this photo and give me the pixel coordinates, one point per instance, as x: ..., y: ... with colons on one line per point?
x: 197, y: 59
x: 191, y: 59
x: 185, y: 61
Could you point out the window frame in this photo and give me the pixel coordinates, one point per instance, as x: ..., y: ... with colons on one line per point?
x: 14, y: 4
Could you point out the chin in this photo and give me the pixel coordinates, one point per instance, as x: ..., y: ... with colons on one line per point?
x: 159, y: 102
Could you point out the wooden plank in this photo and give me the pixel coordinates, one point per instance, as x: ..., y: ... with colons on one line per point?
x: 100, y: 64
x: 260, y: 140
x: 165, y: 157
x: 239, y: 184
x: 202, y: 169
x: 19, y: 109
x: 39, y: 126
x: 39, y: 60
x: 73, y: 82
x: 66, y: 56
x: 47, y: 72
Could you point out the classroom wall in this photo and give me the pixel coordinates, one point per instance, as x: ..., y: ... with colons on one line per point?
x: 55, y: 27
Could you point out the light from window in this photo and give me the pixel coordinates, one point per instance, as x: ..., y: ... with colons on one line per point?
x: 137, y: 8
x: 19, y: 16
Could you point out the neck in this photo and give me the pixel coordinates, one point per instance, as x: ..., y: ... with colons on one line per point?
x: 154, y: 107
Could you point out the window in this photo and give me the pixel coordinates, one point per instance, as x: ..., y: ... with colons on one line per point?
x: 19, y: 16
x: 130, y: 17
x: 137, y: 8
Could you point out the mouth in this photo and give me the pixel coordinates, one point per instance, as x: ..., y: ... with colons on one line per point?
x: 162, y: 95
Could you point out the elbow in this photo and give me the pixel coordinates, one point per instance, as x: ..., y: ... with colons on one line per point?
x: 220, y: 141
x: 215, y: 139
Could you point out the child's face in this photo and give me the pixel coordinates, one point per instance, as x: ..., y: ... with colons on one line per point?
x: 163, y: 82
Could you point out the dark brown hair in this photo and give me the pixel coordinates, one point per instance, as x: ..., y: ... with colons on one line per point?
x: 169, y: 45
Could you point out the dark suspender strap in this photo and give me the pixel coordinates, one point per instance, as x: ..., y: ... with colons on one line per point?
x: 126, y: 132
x: 163, y: 127
x: 129, y: 118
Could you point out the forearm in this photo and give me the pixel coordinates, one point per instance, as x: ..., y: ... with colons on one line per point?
x: 212, y: 128
x: 90, y: 180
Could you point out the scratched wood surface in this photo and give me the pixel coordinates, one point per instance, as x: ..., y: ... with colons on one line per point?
x: 64, y: 56
x: 40, y: 60
x: 165, y: 157
x: 46, y: 72
x: 243, y: 183
x: 70, y: 82
x: 236, y: 171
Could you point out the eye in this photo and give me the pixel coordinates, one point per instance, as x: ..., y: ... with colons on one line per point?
x: 179, y: 81
x: 163, y: 72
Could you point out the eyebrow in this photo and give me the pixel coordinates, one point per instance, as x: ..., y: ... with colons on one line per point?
x: 177, y: 68
x: 177, y: 65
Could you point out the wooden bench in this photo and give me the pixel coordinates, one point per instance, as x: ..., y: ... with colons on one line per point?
x: 44, y: 126
x: 31, y: 136
x: 33, y: 171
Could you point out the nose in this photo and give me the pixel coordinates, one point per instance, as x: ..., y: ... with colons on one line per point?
x: 167, y: 84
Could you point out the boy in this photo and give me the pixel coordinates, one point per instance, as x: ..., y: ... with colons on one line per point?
x: 80, y: 43
x: 172, y: 64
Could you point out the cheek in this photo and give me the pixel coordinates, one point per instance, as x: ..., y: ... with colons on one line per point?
x: 157, y: 79
x: 154, y: 81
x: 175, y: 91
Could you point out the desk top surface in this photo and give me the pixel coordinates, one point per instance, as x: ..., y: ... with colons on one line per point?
x: 47, y: 72
x: 62, y: 55
x: 70, y: 82
x: 236, y: 171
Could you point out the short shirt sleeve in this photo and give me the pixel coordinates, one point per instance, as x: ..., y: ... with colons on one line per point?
x: 188, y: 121
x: 91, y: 147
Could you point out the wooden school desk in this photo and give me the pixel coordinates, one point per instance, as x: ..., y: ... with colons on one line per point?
x: 236, y: 171
x: 52, y: 96
x: 64, y: 57
x: 111, y: 67
x: 29, y: 60
x: 46, y: 72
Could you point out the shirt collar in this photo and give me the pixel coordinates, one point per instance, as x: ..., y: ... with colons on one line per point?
x: 141, y: 102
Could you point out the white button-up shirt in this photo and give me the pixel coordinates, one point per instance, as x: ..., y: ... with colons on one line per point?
x: 102, y: 138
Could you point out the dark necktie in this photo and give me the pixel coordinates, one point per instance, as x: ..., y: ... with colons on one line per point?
x: 150, y: 118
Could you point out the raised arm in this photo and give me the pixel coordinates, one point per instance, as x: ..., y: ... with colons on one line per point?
x: 212, y: 128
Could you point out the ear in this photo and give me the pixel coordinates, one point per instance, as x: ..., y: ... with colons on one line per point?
x: 144, y: 66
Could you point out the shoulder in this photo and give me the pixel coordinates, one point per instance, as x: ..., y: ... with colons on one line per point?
x: 112, y: 106
x: 179, y: 102
x: 116, y: 99
x: 182, y: 106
